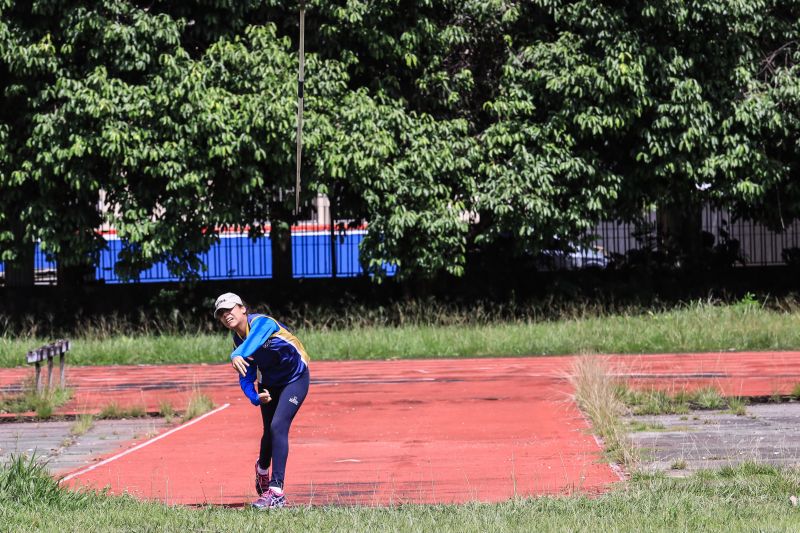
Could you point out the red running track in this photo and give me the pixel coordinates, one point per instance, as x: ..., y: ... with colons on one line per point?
x: 383, y: 432
x: 375, y: 433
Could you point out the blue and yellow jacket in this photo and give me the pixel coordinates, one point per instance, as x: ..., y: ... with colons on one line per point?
x: 269, y: 347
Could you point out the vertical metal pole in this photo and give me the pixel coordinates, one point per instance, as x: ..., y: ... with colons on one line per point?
x: 38, y: 378
x: 62, y: 368
x: 49, y: 368
x: 332, y: 213
x: 300, y: 81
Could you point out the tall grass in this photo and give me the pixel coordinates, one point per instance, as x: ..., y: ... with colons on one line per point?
x: 83, y: 423
x: 596, y: 394
x: 743, y: 498
x: 692, y: 327
x: 199, y: 403
x: 166, y: 410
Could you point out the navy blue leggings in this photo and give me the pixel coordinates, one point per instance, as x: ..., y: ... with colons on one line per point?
x: 277, y: 416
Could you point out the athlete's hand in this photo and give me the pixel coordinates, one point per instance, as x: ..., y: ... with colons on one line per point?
x: 264, y: 397
x: 240, y: 365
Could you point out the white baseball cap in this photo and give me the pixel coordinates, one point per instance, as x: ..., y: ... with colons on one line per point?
x: 226, y: 301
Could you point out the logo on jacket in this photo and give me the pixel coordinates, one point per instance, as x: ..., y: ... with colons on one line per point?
x: 293, y: 400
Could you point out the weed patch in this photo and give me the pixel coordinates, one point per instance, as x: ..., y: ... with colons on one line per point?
x: 707, y: 398
x: 796, y: 392
x: 83, y: 423
x: 166, y: 411
x: 737, y: 406
x: 199, y: 404
x: 42, y: 403
x: 678, y: 464
x: 659, y: 402
x: 114, y: 411
x: 638, y: 425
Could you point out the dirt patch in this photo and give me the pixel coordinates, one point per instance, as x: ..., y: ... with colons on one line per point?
x: 681, y: 444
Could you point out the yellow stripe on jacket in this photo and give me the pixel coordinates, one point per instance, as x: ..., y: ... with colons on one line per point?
x: 284, y: 334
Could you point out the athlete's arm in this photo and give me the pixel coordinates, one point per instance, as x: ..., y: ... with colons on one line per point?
x: 261, y: 329
x: 247, y: 383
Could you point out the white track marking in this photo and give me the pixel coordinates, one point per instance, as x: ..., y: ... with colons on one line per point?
x: 142, y: 445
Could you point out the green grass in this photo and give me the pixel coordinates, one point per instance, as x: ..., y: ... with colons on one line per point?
x: 114, y: 411
x: 678, y: 464
x: 638, y: 425
x: 737, y: 406
x: 695, y: 327
x: 42, y: 403
x: 796, y: 391
x: 199, y: 404
x: 83, y: 423
x: 708, y: 398
x: 659, y: 402
x: 744, y: 498
x: 166, y: 411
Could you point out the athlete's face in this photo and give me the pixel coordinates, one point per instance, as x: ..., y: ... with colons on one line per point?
x: 234, y: 318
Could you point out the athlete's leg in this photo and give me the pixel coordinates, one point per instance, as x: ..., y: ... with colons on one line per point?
x: 289, y: 402
x: 267, y: 415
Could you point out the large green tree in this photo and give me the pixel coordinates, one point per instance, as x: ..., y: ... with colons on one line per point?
x: 176, y: 146
x: 611, y: 109
x: 445, y: 125
x: 54, y: 55
x: 759, y: 158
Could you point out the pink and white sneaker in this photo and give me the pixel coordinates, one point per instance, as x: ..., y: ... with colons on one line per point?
x: 262, y: 503
x: 277, y: 498
x: 262, y: 481
x: 274, y: 498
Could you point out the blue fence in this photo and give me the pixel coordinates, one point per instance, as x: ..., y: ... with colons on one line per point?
x: 236, y: 256
x: 45, y: 271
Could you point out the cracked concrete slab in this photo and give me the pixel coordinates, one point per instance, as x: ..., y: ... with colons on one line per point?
x: 681, y: 444
x: 62, y: 452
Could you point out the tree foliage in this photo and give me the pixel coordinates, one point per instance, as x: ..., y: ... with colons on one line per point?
x: 446, y: 125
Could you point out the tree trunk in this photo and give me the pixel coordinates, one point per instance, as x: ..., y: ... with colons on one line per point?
x: 19, y: 273
x: 280, y: 236
x: 75, y: 275
x: 680, y: 230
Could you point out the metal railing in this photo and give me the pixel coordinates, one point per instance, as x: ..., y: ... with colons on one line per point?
x: 757, y: 244
x: 318, y: 253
